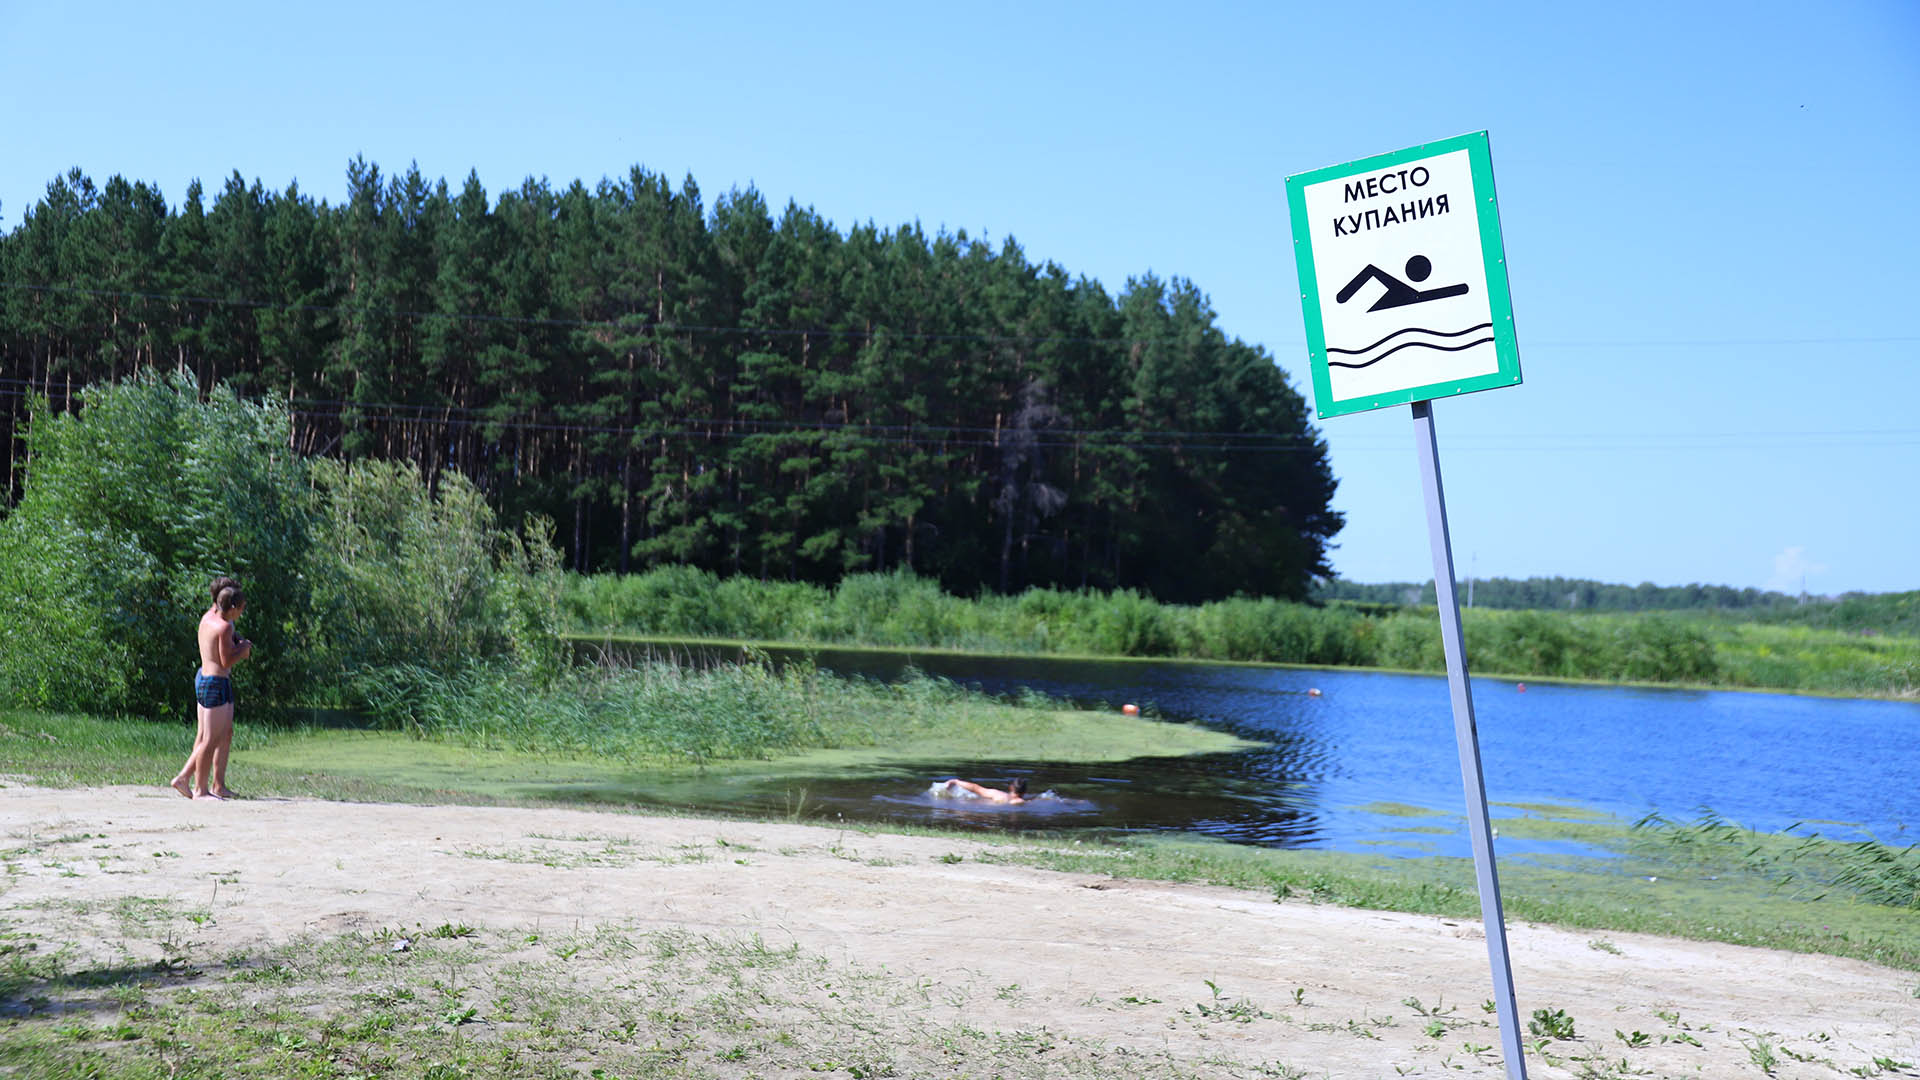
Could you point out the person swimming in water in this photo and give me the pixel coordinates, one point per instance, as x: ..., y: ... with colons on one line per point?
x: 1015, y: 794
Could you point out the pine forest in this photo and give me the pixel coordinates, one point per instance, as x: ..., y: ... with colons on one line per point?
x: 719, y: 386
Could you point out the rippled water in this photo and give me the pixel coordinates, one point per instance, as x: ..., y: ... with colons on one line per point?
x: 1764, y: 760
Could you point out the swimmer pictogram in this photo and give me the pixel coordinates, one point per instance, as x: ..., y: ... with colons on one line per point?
x: 1399, y: 293
x: 1376, y: 242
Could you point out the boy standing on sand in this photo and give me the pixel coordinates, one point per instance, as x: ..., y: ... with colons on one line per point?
x: 204, y: 776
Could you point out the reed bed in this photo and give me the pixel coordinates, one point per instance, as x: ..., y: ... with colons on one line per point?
x: 900, y: 610
x: 1802, y: 862
x: 664, y: 710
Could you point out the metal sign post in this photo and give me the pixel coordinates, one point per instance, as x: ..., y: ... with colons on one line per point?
x: 1467, y: 736
x: 1403, y: 282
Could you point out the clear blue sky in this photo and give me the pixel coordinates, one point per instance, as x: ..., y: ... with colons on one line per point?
x: 1712, y: 211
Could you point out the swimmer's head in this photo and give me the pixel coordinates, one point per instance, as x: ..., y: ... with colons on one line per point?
x: 1018, y: 787
x: 1419, y: 267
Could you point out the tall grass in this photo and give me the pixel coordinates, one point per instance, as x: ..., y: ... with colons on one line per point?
x: 1872, y: 871
x: 661, y: 711
x: 900, y: 610
x: 1805, y: 658
x: 1897, y: 614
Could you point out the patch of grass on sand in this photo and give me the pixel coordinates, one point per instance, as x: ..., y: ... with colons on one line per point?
x: 1644, y: 891
x: 468, y: 1002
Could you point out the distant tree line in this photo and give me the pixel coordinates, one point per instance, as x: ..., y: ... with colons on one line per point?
x: 1893, y: 613
x: 718, y: 387
x: 1566, y: 594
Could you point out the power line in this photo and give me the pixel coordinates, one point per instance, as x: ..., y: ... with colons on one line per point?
x: 669, y: 328
x: 341, y: 406
x: 830, y: 436
x: 342, y: 411
x: 663, y: 327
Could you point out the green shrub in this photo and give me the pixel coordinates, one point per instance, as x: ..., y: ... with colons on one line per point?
x: 1532, y: 643
x: 1410, y: 640
x: 891, y: 609
x: 1128, y: 624
x: 1279, y: 631
x: 133, y: 504
x: 129, y: 508
x: 765, y: 610
x: 408, y: 575
x: 1659, y: 648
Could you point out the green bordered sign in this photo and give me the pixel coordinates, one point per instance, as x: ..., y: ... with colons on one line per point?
x: 1403, y: 277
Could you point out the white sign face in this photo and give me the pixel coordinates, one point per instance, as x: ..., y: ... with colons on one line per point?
x: 1405, y: 297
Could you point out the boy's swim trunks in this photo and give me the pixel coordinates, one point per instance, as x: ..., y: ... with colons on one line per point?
x: 213, y: 691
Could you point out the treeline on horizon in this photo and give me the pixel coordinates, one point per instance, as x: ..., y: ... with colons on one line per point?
x: 717, y: 387
x: 1544, y: 593
x: 1886, y: 613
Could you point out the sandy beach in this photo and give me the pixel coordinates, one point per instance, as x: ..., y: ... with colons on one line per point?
x: 1097, y: 961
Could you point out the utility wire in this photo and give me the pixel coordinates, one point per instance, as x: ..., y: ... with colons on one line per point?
x: 669, y: 328
x: 445, y: 413
x: 841, y: 434
x: 832, y: 435
x: 1053, y: 437
x: 666, y: 328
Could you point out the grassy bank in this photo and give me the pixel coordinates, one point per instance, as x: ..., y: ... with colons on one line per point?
x: 1657, y: 885
x: 901, y: 611
x: 497, y: 734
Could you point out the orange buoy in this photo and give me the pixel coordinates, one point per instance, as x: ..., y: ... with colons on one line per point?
x: 1130, y: 709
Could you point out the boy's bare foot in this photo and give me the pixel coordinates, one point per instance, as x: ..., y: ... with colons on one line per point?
x: 210, y: 796
x: 225, y: 793
x: 183, y: 786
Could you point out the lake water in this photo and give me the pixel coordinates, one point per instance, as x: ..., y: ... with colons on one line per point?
x: 1850, y: 768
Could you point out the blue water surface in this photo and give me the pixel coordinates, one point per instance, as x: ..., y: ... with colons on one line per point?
x: 1767, y: 761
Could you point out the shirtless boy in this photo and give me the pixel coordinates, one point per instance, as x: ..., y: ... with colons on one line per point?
x: 204, y: 776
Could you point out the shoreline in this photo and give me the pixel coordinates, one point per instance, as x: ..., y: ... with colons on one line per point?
x: 1710, y: 892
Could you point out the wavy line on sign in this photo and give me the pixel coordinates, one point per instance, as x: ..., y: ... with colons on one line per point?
x: 1410, y: 345
x: 1409, y: 330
